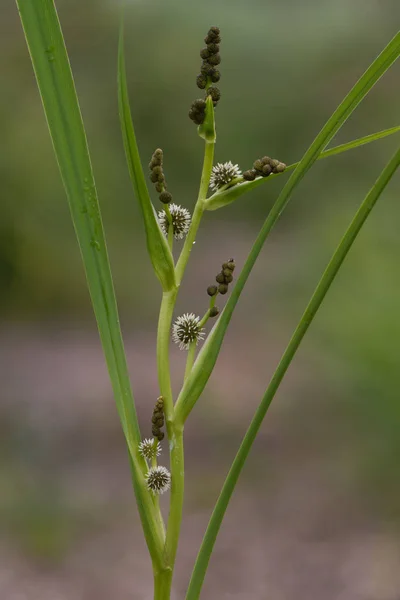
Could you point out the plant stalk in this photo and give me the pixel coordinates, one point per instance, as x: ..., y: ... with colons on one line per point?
x: 198, y: 211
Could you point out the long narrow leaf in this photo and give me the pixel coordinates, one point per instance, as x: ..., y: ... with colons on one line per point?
x: 225, y: 197
x: 157, y: 245
x: 195, y: 383
x: 54, y: 77
x: 321, y: 290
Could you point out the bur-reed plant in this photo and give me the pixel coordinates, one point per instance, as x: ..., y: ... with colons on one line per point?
x: 164, y: 228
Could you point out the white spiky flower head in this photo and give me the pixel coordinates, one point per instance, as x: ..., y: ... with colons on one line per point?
x: 158, y: 480
x: 223, y: 173
x: 186, y: 330
x: 149, y: 448
x: 181, y: 220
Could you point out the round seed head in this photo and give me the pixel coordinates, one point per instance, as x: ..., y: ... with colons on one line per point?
x: 213, y: 48
x: 201, y: 81
x: 220, y: 278
x: 215, y: 76
x: 266, y: 170
x: 280, y: 168
x: 228, y: 276
x: 214, y: 311
x: 197, y: 118
x: 181, y: 220
x: 206, y: 68
x: 204, y: 53
x: 159, y: 187
x: 156, y: 159
x: 222, y: 288
x: 214, y: 93
x: 250, y: 175
x: 223, y: 173
x: 212, y: 38
x: 153, y: 177
x: 150, y: 448
x: 258, y: 165
x: 158, y: 480
x: 231, y: 264
x: 165, y: 197
x: 186, y: 330
x: 212, y: 290
x: 214, y: 59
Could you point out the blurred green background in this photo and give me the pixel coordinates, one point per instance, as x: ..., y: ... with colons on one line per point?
x: 317, y: 510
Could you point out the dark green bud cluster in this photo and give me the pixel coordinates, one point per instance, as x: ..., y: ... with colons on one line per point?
x: 263, y: 167
x: 208, y: 75
x: 224, y: 278
x: 157, y: 176
x: 157, y: 419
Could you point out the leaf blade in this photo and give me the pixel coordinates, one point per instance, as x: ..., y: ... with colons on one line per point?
x: 57, y: 89
x: 157, y: 245
x: 317, y: 298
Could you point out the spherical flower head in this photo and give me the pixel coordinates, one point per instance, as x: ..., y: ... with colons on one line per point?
x: 181, y: 220
x: 149, y: 449
x: 223, y: 173
x: 187, y: 330
x: 158, y: 480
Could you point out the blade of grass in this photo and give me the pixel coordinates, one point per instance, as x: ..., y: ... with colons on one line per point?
x: 230, y: 194
x: 54, y: 77
x: 321, y: 290
x: 157, y: 245
x: 195, y: 383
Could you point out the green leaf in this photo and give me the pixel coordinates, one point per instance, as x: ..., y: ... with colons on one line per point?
x: 230, y: 194
x: 157, y: 245
x: 207, y: 129
x: 202, y: 369
x: 54, y: 77
x: 321, y: 290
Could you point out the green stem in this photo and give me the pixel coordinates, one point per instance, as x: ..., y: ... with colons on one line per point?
x: 192, y: 348
x: 198, y: 211
x: 191, y: 355
x: 162, y: 585
x: 321, y: 290
x: 177, y: 495
x: 163, y: 581
x: 175, y: 431
x: 170, y: 228
x: 163, y: 339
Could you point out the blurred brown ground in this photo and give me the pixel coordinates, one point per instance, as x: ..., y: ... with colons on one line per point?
x: 316, y: 512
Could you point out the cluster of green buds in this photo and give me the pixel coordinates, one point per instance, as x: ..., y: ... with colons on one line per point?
x: 157, y: 419
x: 224, y: 278
x: 208, y: 75
x: 263, y: 167
x: 157, y: 176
